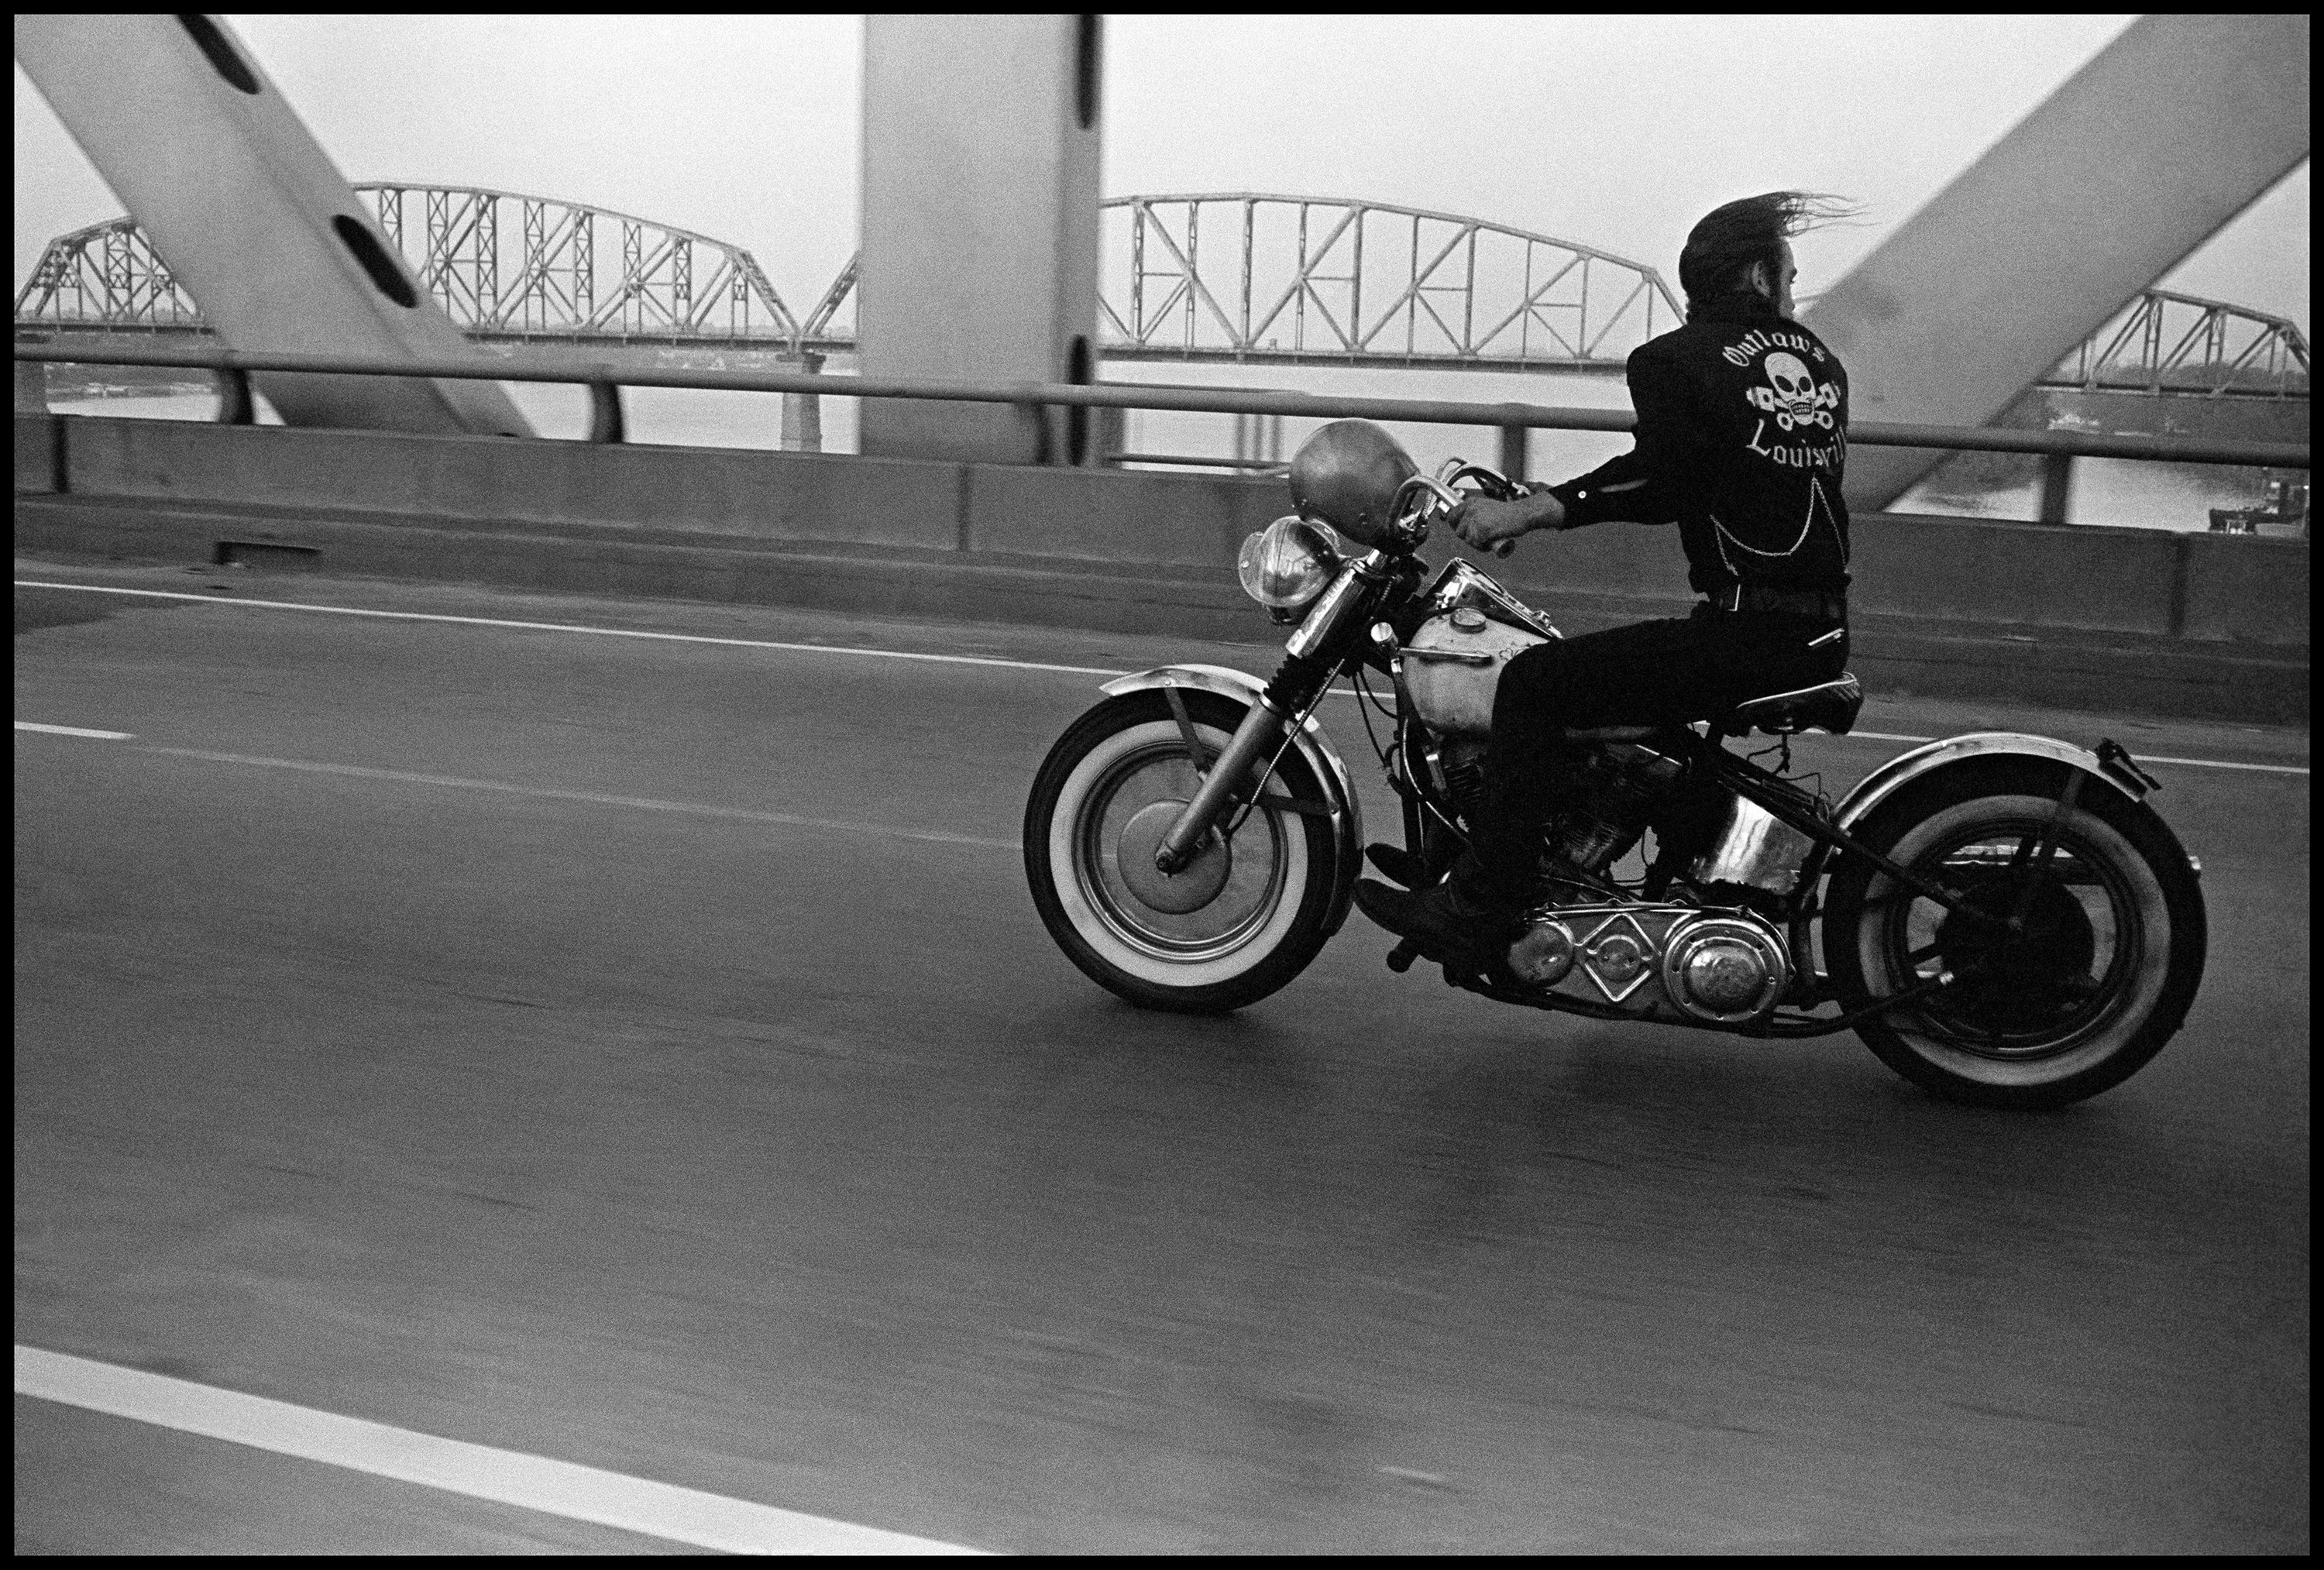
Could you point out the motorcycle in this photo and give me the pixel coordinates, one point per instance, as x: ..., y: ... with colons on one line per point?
x: 2004, y: 919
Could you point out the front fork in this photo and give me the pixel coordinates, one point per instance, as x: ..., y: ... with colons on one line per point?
x: 1262, y: 730
x: 1311, y: 661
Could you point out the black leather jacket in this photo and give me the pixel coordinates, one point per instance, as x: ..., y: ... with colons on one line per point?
x: 1742, y: 437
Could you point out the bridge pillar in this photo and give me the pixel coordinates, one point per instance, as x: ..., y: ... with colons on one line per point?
x: 980, y: 228
x: 2172, y: 130
x: 31, y: 380
x: 802, y: 430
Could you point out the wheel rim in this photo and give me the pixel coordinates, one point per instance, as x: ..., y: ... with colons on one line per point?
x: 2076, y: 991
x: 1253, y: 886
x: 2032, y: 994
x: 1255, y: 911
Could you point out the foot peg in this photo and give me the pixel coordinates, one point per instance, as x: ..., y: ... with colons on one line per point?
x: 1400, y: 957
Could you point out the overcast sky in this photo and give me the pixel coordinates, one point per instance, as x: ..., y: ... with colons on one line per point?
x: 1614, y: 132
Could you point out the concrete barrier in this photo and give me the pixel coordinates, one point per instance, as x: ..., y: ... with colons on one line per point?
x: 2236, y: 589
x: 785, y: 496
x: 1102, y: 515
x: 2112, y: 580
x: 36, y: 453
x: 1942, y: 604
x: 1983, y: 573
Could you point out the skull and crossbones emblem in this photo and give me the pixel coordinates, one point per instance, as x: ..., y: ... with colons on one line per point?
x: 1791, y: 395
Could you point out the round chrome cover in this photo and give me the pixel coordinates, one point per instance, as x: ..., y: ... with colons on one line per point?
x: 1348, y: 473
x: 1725, y: 968
x: 1543, y: 954
x: 1190, y: 888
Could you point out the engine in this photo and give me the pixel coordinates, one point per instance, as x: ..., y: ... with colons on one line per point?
x: 1713, y: 967
x: 1461, y: 768
x: 1606, y: 795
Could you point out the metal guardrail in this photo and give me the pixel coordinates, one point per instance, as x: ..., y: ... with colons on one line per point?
x: 1514, y: 421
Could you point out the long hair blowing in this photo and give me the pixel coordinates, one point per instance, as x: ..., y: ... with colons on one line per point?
x: 1721, y: 249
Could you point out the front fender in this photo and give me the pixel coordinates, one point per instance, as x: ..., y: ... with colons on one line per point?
x: 1899, y: 772
x: 1315, y: 747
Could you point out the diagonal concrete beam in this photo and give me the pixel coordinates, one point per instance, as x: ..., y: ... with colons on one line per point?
x: 2145, y: 152
x: 249, y: 215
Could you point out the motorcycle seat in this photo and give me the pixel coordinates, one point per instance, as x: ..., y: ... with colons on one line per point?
x: 1827, y: 706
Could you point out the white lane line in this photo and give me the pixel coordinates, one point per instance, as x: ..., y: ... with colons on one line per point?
x: 2215, y: 763
x: 77, y: 731
x: 557, y: 1488
x: 595, y: 798
x: 957, y: 660
x: 963, y: 660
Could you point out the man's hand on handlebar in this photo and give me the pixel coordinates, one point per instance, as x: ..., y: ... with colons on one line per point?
x: 1483, y: 523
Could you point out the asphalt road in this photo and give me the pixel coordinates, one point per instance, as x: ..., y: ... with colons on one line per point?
x: 645, y: 1054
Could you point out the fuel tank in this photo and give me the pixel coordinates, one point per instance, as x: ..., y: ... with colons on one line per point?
x: 1452, y: 667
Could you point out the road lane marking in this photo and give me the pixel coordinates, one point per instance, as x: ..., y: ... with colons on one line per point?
x: 535, y: 1483
x: 966, y: 659
x: 2142, y: 757
x: 77, y: 731
x: 958, y: 659
x: 595, y: 798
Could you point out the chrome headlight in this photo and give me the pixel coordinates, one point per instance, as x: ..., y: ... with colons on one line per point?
x: 1288, y: 562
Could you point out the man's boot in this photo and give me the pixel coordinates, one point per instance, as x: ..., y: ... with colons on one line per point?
x: 1460, y: 920
x: 1473, y: 915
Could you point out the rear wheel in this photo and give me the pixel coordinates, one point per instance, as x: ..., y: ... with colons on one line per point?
x: 2094, y: 977
x: 1239, y: 922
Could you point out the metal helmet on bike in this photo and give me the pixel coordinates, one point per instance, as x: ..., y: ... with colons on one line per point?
x: 1349, y: 475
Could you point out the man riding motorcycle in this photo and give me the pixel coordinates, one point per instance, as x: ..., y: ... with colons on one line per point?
x: 1741, y: 441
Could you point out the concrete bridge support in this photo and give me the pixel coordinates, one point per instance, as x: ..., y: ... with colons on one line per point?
x: 979, y: 227
x: 249, y: 215
x: 2145, y: 152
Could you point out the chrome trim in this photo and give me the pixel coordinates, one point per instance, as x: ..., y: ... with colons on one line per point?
x: 1459, y: 580
x: 1314, y: 746
x: 1745, y: 928
x: 1641, y: 958
x: 1754, y: 849
x: 1355, y: 577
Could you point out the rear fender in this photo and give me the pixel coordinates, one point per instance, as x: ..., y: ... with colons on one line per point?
x: 1954, y: 752
x: 1314, y: 746
x: 1897, y: 773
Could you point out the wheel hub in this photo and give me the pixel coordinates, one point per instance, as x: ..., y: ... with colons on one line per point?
x: 2020, y: 979
x: 1193, y: 886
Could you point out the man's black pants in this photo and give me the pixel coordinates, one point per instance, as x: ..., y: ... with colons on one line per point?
x: 1654, y: 673
x: 1659, y: 673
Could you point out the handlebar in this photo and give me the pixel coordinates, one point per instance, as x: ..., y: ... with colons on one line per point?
x: 1441, y: 496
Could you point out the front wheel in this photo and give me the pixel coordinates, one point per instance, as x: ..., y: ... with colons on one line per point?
x: 1239, y: 922
x: 2073, y: 968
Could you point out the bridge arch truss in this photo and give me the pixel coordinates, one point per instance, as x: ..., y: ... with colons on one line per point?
x: 106, y: 276
x: 1233, y: 277
x: 1245, y: 276
x: 2168, y: 345
x: 501, y: 264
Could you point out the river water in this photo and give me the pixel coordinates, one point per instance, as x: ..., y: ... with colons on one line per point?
x: 2117, y: 491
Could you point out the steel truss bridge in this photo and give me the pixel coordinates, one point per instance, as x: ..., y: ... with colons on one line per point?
x: 1232, y: 277
x: 2178, y: 344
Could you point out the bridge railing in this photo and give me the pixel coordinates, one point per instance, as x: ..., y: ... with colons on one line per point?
x: 1514, y: 421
